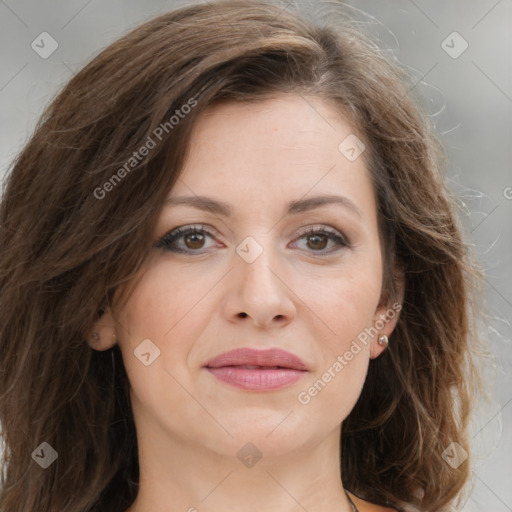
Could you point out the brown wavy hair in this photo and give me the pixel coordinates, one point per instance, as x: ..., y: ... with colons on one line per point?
x: 65, y: 251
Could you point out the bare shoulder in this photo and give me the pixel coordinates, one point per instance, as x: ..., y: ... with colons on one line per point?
x: 366, y: 506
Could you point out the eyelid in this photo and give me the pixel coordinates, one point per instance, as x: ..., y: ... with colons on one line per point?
x: 341, y: 242
x: 179, y: 231
x: 323, y: 228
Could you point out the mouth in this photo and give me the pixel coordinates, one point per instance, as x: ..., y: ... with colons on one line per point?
x: 257, y: 370
x: 256, y: 367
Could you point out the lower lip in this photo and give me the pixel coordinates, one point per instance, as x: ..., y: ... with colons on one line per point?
x: 259, y: 380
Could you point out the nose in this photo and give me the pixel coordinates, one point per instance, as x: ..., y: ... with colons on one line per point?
x: 260, y: 292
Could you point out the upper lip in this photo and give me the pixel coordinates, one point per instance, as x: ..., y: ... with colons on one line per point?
x: 253, y: 357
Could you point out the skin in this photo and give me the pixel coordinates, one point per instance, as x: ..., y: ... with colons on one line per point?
x: 257, y: 157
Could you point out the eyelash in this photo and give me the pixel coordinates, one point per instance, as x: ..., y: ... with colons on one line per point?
x: 169, y: 238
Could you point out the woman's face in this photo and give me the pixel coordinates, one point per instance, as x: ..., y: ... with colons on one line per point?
x: 259, y: 178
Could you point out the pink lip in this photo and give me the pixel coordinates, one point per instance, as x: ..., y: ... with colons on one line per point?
x: 278, y: 368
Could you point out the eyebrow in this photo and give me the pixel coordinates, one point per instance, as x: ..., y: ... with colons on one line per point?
x: 293, y: 208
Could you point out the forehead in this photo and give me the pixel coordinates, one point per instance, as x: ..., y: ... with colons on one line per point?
x: 279, y: 148
x: 284, y: 122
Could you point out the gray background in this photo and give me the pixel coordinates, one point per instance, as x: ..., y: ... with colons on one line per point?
x: 469, y: 97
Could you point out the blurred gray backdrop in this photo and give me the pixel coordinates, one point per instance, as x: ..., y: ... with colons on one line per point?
x: 460, y: 54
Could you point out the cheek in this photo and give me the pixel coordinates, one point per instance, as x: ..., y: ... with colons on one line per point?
x: 346, y: 304
x: 165, y: 310
x: 163, y: 301
x: 168, y: 308
x: 346, y: 301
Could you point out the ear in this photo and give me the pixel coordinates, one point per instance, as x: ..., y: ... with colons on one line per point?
x: 386, y: 315
x: 103, y: 334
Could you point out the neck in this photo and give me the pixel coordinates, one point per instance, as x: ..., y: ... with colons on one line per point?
x: 193, y: 477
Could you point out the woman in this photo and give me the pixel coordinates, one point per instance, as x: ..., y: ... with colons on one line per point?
x: 233, y: 279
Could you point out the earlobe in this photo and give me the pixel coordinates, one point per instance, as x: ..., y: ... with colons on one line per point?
x: 103, y: 335
x: 379, y: 345
x: 385, y: 323
x: 383, y: 341
x: 386, y: 318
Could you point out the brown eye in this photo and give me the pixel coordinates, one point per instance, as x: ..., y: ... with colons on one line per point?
x: 194, y: 240
x: 317, y: 242
x: 323, y: 241
x: 190, y: 240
